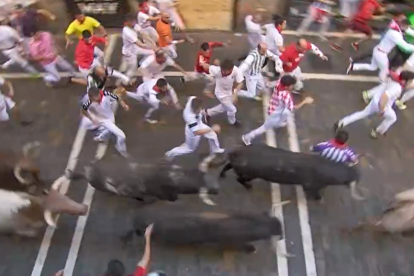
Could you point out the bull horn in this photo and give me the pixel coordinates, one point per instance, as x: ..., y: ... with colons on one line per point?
x: 281, y: 203
x: 108, y: 185
x: 18, y: 174
x: 31, y: 149
x: 354, y: 193
x: 203, y: 194
x: 58, y: 183
x: 205, y: 164
x: 49, y: 219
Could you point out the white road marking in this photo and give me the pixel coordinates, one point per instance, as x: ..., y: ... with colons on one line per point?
x: 81, y: 223
x: 277, y: 210
x: 305, y: 227
x: 309, y: 76
x: 73, y: 160
x: 331, y: 34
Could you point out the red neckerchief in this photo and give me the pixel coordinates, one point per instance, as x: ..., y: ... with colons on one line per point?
x: 101, y: 95
x: 279, y: 29
x: 395, y: 26
x: 143, y: 8
x: 397, y: 78
x: 336, y: 144
x: 156, y: 89
x: 280, y: 87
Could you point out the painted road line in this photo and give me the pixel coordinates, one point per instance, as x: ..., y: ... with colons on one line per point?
x: 308, y: 76
x: 73, y: 160
x: 81, y: 223
x: 305, y: 227
x: 277, y: 210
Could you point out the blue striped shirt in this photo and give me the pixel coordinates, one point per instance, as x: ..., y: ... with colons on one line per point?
x: 335, y: 152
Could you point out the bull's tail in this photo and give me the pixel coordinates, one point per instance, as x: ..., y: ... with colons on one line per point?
x: 225, y: 169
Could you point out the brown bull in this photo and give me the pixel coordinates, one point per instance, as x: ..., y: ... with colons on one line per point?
x: 24, y: 214
x: 398, y: 218
x: 18, y: 171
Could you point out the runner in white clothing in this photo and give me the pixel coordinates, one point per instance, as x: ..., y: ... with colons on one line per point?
x: 98, y: 115
x: 10, y: 46
x: 393, y: 37
x: 133, y: 46
x: 150, y: 91
x: 195, y: 128
x: 254, y: 29
x: 274, y: 38
x: 225, y: 75
x: 152, y: 66
x: 146, y: 14
x: 382, y: 99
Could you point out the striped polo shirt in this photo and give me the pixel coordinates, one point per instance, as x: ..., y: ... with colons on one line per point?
x: 336, y: 152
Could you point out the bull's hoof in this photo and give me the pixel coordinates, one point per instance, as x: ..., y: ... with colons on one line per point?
x: 249, y: 249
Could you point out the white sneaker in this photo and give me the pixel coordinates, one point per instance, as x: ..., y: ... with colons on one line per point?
x: 245, y: 141
x: 152, y: 122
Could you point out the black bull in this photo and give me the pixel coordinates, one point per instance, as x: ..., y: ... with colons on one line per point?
x: 177, y: 224
x: 149, y: 182
x: 312, y: 172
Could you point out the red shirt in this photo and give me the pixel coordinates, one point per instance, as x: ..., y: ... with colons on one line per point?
x: 84, y: 51
x: 366, y: 10
x: 291, y: 55
x: 281, y: 99
x: 206, y: 59
x: 139, y: 271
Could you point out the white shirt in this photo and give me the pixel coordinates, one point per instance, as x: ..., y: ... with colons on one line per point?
x: 393, y: 90
x: 102, y: 110
x: 8, y: 37
x: 273, y: 39
x: 142, y: 18
x: 224, y: 85
x: 254, y: 30
x: 391, y: 39
x: 2, y: 101
x: 192, y: 120
x: 129, y: 39
x: 152, y: 67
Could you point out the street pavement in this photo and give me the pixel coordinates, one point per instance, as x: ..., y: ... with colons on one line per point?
x: 385, y: 171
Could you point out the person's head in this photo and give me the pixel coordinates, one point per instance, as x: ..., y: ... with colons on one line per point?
x: 160, y: 57
x: 144, y: 6
x: 162, y: 85
x: 288, y: 81
x: 19, y: 10
x: 401, y: 20
x: 94, y: 94
x: 165, y: 17
x: 196, y: 105
x: 100, y: 71
x: 407, y: 76
x: 80, y: 17
x: 280, y: 23
x: 130, y: 20
x: 205, y: 48
x: 301, y: 45
x: 87, y: 36
x: 341, y: 136
x: 226, y: 67
x: 115, y: 268
x: 262, y: 48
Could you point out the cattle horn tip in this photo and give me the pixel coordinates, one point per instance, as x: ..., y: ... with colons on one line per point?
x: 354, y: 193
x: 58, y: 183
x: 49, y: 219
x: 17, y: 173
x: 203, y: 194
x: 282, y: 203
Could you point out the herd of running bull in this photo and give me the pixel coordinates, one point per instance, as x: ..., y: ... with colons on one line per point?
x: 27, y: 207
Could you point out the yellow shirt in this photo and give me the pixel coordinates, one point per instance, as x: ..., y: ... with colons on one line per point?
x: 77, y: 28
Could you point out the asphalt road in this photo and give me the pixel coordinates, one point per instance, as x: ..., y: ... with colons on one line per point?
x: 386, y: 170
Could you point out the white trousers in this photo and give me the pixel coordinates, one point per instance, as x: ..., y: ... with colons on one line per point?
x: 226, y: 105
x: 311, y: 17
x: 408, y: 95
x: 372, y: 108
x: 15, y: 57
x: 192, y: 141
x: 379, y: 60
x: 252, y: 84
x: 171, y: 51
x: 6, y: 103
x: 52, y: 69
x: 110, y: 127
x: 254, y: 39
x: 152, y: 33
x: 348, y: 8
x: 274, y: 120
x: 131, y: 60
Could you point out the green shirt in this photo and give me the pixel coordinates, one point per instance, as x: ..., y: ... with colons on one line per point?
x: 409, y: 38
